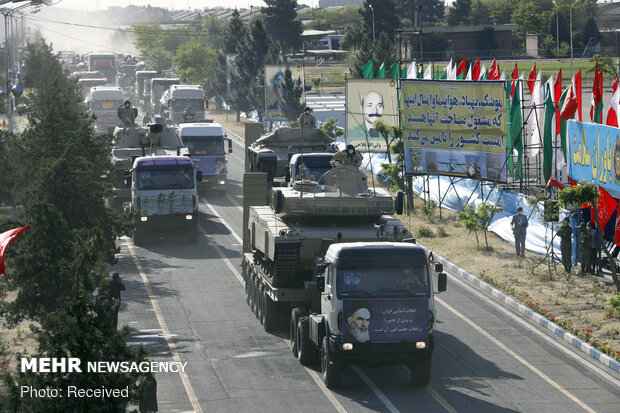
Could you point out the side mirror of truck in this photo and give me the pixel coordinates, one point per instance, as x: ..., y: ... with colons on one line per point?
x: 229, y: 145
x: 320, y: 268
x: 320, y: 283
x: 127, y: 178
x: 442, y: 282
x: 438, y: 267
x: 199, y: 176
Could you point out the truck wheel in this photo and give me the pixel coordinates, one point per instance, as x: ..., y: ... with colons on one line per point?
x: 306, y: 352
x: 331, y: 368
x: 251, y: 293
x: 421, y: 371
x: 296, y: 314
x: 271, y: 316
x: 255, y: 296
x: 138, y: 237
x: 192, y: 235
x: 278, y: 201
x: 399, y: 202
x: 246, y: 279
x: 261, y: 304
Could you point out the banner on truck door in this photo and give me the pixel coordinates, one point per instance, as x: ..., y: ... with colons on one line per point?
x: 274, y: 89
x: 391, y: 320
x: 454, y: 128
x: 369, y: 100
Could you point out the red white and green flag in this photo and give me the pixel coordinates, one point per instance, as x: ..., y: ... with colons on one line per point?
x: 6, y: 238
x: 612, y: 114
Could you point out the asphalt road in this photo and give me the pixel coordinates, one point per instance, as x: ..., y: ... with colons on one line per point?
x: 186, y: 302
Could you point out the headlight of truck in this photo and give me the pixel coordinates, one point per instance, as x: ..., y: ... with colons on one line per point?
x: 420, y: 345
x: 189, y: 217
x: 221, y: 182
x: 144, y: 219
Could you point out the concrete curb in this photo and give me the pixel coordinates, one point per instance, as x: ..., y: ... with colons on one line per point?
x: 527, y: 313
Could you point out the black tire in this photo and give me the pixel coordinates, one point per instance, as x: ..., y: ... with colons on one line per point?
x: 138, y: 237
x: 278, y: 201
x: 296, y: 314
x: 306, y: 351
x: 271, y: 315
x: 331, y: 368
x: 255, y: 291
x: 261, y: 304
x: 421, y: 371
x: 251, y: 293
x: 399, y: 202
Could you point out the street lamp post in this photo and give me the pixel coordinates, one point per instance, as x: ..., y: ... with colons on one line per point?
x: 557, y: 29
x: 373, y: 22
x: 570, y: 15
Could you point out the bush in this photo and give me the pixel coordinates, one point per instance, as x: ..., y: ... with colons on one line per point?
x: 441, y: 232
x: 614, y: 302
x: 429, y: 208
x: 425, y: 232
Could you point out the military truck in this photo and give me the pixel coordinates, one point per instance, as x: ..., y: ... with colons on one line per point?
x: 141, y: 78
x: 185, y: 103
x: 104, y: 63
x: 103, y: 102
x: 163, y: 196
x: 135, y: 141
x: 271, y: 153
x: 322, y: 249
x: 157, y: 87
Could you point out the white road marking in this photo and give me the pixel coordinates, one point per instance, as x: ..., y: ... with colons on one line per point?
x: 375, y: 390
x: 218, y: 216
x: 164, y: 327
x: 516, y: 356
x: 536, y: 331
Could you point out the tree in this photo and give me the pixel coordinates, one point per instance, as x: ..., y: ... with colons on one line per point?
x: 488, y: 42
x: 389, y: 135
x: 235, y: 32
x: 196, y: 63
x: 562, y: 24
x: 353, y: 36
x: 292, y: 91
x: 328, y: 19
x: 383, y: 51
x: 590, y: 31
x: 432, y: 10
x: 480, y: 12
x: 532, y: 16
x: 330, y: 128
x: 156, y: 47
x: 393, y: 172
x: 460, y: 13
x: 386, y: 17
x: 281, y: 24
x: 588, y: 193
x: 478, y: 218
x: 360, y: 58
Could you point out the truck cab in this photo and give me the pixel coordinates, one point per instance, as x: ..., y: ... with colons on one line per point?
x: 186, y: 103
x: 208, y: 147
x: 164, y: 196
x: 312, y: 165
x: 103, y: 102
x: 376, y: 307
x: 157, y: 87
x: 105, y: 63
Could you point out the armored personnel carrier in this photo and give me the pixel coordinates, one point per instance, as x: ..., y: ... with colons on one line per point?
x: 135, y: 141
x: 323, y: 254
x: 272, y: 152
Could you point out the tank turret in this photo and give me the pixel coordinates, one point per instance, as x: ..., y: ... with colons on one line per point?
x: 271, y: 153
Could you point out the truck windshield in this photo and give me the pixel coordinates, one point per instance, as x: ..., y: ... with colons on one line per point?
x: 409, y: 281
x: 195, y: 105
x: 105, y: 104
x: 204, y: 145
x: 182, y: 178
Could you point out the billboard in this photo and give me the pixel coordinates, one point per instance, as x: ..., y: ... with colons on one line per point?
x: 594, y: 154
x: 454, y: 128
x: 274, y: 85
x: 390, y: 320
x: 368, y: 100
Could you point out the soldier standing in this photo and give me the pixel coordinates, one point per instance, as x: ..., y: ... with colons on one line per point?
x: 584, y: 246
x: 519, y: 225
x: 566, y: 237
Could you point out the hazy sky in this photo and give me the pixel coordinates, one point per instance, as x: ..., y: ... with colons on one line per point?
x: 169, y: 4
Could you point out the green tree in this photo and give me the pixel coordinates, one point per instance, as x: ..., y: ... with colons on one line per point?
x: 532, y: 16
x: 383, y: 51
x: 386, y: 17
x: 460, y: 13
x: 235, y: 32
x: 331, y: 128
x: 604, y: 62
x: 328, y: 19
x: 432, y: 10
x: 389, y: 135
x: 480, y: 12
x: 196, y: 63
x: 292, y: 104
x: 393, y: 171
x: 584, y: 193
x: 282, y: 25
x: 590, y: 31
x: 316, y: 84
x: 155, y: 48
x: 353, y: 36
x: 360, y: 58
x: 478, y: 218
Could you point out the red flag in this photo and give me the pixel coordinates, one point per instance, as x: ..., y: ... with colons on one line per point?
x: 554, y: 182
x: 494, y: 70
x: 475, y: 72
x: 606, y: 206
x: 614, y: 109
x: 515, y: 73
x: 461, y: 68
x: 531, y: 79
x: 570, y: 105
x: 617, y: 229
x: 6, y: 238
x: 577, y: 84
x: 572, y: 183
x: 615, y: 85
x: 557, y: 92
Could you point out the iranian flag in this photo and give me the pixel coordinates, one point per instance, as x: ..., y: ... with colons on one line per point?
x: 531, y: 79
x: 612, y: 114
x: 6, y: 238
x: 460, y: 71
x: 475, y: 71
x: 606, y: 207
x: 549, y: 128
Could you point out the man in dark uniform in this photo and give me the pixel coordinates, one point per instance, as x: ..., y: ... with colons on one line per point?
x: 116, y: 286
x: 127, y: 114
x: 349, y: 156
x: 519, y: 225
x: 584, y: 247
x: 566, y: 237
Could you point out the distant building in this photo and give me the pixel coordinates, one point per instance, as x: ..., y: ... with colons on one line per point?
x: 330, y: 3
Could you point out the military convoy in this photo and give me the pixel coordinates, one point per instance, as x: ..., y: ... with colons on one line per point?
x: 327, y: 259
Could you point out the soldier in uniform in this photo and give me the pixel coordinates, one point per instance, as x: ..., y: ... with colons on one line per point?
x: 126, y: 114
x: 584, y: 246
x: 566, y: 236
x: 519, y: 225
x: 349, y: 156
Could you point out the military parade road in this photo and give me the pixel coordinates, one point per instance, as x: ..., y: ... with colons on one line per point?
x: 186, y: 302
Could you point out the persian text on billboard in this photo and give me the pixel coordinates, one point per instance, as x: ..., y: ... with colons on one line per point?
x: 454, y: 128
